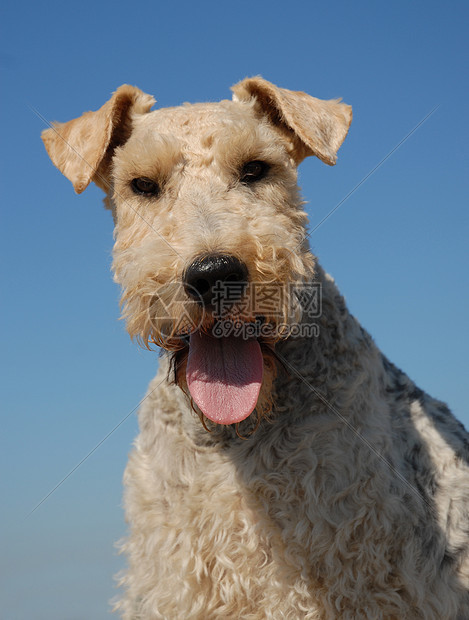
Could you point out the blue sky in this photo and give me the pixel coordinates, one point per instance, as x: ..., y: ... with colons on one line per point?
x: 397, y: 246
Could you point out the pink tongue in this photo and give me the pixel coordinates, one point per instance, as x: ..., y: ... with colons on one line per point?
x: 224, y: 376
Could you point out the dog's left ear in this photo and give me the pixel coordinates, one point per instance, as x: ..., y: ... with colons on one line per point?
x: 315, y: 127
x: 82, y: 148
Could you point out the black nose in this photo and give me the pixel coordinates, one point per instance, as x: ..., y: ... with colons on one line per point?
x: 215, y: 276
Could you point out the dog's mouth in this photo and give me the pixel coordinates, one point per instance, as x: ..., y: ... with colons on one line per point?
x: 224, y: 375
x: 223, y: 345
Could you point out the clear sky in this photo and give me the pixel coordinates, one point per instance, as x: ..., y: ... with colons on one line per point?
x: 397, y: 246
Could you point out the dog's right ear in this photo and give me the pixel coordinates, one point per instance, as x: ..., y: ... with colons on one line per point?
x: 82, y: 148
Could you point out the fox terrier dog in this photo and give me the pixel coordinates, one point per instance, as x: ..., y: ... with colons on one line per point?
x: 284, y: 469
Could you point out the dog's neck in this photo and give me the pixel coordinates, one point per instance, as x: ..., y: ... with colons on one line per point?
x: 328, y: 366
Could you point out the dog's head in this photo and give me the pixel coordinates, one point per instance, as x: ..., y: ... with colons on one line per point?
x: 210, y: 244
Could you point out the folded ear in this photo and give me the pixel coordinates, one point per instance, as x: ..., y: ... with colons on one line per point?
x: 82, y: 148
x: 316, y: 127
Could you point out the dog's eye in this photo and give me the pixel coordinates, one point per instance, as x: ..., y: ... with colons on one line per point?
x: 254, y: 171
x: 145, y: 187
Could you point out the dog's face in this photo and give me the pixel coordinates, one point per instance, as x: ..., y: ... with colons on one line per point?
x: 210, y: 233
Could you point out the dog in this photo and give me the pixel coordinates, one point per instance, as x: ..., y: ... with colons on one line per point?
x: 284, y: 469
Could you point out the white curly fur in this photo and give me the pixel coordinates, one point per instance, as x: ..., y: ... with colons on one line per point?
x: 350, y: 500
